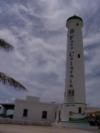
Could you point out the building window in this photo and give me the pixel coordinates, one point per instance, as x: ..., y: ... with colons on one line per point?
x: 25, y: 112
x: 44, y: 114
x: 72, y: 31
x: 70, y: 80
x: 77, y: 24
x: 71, y: 85
x: 79, y: 110
x: 71, y: 37
x: 71, y: 71
x: 70, y: 92
x: 78, y: 55
x: 71, y: 76
x: 71, y: 63
x: 71, y: 58
x: 71, y: 67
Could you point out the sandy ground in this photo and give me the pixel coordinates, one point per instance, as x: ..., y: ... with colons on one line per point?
x: 4, y: 128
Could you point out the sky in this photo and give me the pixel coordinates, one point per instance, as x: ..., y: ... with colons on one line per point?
x: 37, y: 31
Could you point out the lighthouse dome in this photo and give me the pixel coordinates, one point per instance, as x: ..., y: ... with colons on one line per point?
x: 75, y: 22
x: 75, y: 17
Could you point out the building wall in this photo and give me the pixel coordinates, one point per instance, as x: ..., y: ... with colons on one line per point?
x: 72, y: 111
x: 35, y: 110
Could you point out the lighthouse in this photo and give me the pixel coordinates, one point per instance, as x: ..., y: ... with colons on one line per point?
x: 74, y: 96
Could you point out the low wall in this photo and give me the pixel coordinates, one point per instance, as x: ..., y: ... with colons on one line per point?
x: 12, y: 121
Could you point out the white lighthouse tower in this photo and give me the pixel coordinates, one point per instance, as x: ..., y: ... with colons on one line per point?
x: 74, y: 97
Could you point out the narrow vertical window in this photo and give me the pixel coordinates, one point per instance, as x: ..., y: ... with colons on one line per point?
x: 78, y: 55
x: 79, y: 110
x: 72, y: 31
x: 77, y: 24
x: 72, y: 92
x: 44, y: 114
x: 25, y: 112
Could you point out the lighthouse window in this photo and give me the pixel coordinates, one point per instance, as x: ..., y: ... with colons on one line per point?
x: 71, y: 41
x: 71, y: 85
x: 70, y: 92
x: 71, y: 72
x: 71, y: 63
x: 71, y: 37
x: 70, y: 80
x: 70, y: 54
x: 78, y: 55
x: 71, y: 67
x: 71, y: 75
x: 77, y: 24
x: 72, y: 31
x: 71, y: 58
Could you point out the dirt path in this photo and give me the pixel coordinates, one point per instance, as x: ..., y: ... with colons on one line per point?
x: 4, y: 128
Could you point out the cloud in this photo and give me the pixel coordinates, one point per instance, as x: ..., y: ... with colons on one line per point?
x: 38, y: 33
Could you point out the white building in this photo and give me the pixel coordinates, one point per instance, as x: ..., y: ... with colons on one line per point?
x: 33, y: 110
x: 74, y: 105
